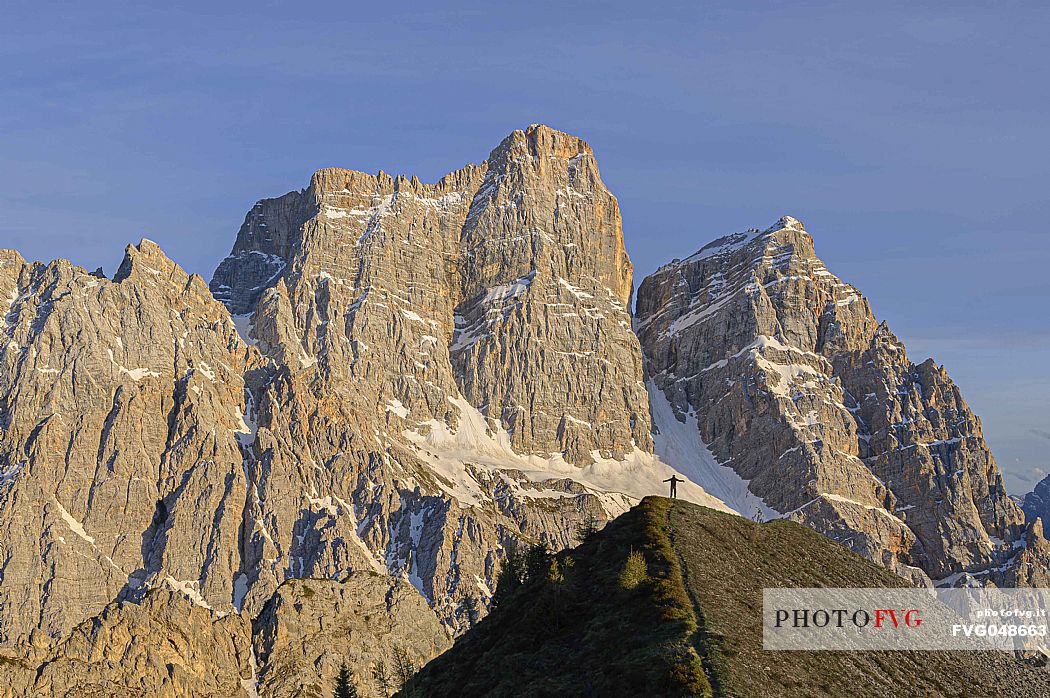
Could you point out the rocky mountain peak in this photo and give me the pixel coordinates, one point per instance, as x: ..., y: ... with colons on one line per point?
x: 486, y: 315
x: 539, y: 140
x: 788, y: 222
x: 799, y: 389
x: 10, y: 257
x: 388, y: 383
x: 475, y: 257
x: 148, y: 258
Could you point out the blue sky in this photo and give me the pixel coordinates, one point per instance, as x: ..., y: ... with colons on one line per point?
x: 911, y: 138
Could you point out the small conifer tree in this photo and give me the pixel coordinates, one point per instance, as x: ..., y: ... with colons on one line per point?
x: 510, y: 577
x: 588, y: 528
x: 537, y: 562
x: 404, y: 667
x: 634, y: 571
x: 382, y: 677
x: 344, y: 684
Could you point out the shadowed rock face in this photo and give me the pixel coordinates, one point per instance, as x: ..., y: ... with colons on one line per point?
x: 1036, y: 504
x: 799, y: 389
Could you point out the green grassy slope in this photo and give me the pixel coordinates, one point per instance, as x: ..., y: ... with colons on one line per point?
x: 687, y: 621
x: 588, y: 634
x: 727, y: 561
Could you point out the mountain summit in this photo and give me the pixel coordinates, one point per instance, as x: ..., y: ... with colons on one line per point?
x: 656, y: 605
x: 388, y: 384
x: 786, y: 375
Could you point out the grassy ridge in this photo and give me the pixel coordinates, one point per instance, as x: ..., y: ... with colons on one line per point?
x: 727, y: 561
x: 667, y: 601
x: 614, y: 620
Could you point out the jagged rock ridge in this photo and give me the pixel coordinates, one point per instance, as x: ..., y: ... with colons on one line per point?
x: 506, y: 283
x: 486, y: 315
x: 401, y: 379
x: 121, y: 404
x: 414, y: 377
x: 790, y: 380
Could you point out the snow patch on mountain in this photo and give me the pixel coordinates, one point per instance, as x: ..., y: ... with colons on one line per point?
x: 452, y: 453
x: 679, y: 443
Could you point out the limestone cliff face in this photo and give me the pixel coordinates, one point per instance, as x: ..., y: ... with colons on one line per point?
x: 386, y: 377
x: 264, y: 245
x: 164, y: 644
x: 506, y: 284
x: 129, y: 494
x: 423, y: 341
x: 799, y: 389
x: 120, y: 406
x: 388, y: 383
x: 543, y: 336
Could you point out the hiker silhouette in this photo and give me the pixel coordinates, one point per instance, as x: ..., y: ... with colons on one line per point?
x: 674, y: 480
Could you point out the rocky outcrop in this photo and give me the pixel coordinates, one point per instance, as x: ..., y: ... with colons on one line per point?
x: 121, y: 404
x: 793, y: 383
x: 311, y: 627
x: 264, y: 245
x: 164, y: 643
x: 162, y: 646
